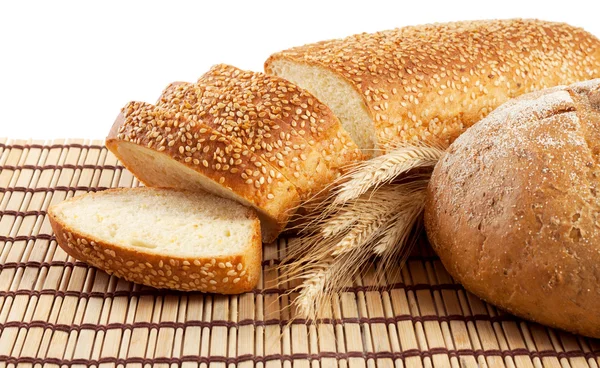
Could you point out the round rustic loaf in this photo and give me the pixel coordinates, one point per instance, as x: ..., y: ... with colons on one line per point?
x: 513, y: 208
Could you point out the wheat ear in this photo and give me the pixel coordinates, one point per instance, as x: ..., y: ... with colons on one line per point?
x: 358, y: 179
x: 372, y: 210
x: 383, y: 169
x: 331, y: 262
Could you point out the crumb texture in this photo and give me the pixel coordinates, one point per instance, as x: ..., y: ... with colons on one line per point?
x: 163, y: 238
x: 165, y: 222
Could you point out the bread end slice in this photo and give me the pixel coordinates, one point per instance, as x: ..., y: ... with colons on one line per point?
x: 163, y: 238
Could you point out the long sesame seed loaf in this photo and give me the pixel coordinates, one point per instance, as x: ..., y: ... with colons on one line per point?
x: 166, y: 148
x: 177, y: 239
x: 431, y: 82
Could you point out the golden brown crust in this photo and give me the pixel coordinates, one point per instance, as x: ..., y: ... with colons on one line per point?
x: 431, y: 82
x: 224, y: 275
x: 284, y: 151
x: 512, y: 209
x: 273, y: 118
x: 288, y: 106
x: 190, y: 142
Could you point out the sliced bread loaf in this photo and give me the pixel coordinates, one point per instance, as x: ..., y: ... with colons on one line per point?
x: 174, y: 149
x: 283, y: 124
x: 163, y: 238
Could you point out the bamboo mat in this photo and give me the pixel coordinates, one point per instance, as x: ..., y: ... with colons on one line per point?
x: 56, y: 311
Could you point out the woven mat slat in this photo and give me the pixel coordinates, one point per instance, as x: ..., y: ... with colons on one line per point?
x: 57, y: 311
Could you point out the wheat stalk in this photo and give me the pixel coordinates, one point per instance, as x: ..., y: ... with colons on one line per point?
x: 363, y: 176
x: 329, y: 263
x: 401, y: 236
x: 399, y: 228
x: 373, y: 210
x: 312, y: 289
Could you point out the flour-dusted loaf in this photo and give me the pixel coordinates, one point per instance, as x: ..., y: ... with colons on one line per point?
x: 284, y: 125
x: 163, y: 238
x: 431, y: 82
x: 167, y: 148
x: 513, y: 209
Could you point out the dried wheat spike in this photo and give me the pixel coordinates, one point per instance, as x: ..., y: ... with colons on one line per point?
x: 373, y: 211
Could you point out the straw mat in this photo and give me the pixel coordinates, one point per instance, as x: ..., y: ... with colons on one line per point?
x: 57, y: 311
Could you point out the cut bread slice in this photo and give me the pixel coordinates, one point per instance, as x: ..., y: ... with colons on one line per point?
x: 163, y: 238
x: 171, y: 149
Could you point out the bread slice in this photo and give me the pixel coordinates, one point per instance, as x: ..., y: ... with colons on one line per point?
x: 163, y: 238
x: 171, y: 149
x: 431, y: 82
x: 281, y: 123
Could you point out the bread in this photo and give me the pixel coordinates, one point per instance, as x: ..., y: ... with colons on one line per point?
x: 284, y: 125
x: 253, y: 138
x: 513, y: 210
x: 431, y: 82
x: 166, y: 148
x: 163, y: 238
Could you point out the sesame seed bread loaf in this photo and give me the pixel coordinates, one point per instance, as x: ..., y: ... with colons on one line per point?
x: 286, y: 126
x: 512, y: 209
x: 431, y: 82
x: 163, y: 238
x: 166, y: 148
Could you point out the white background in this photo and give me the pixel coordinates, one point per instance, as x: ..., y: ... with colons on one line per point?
x: 66, y: 68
